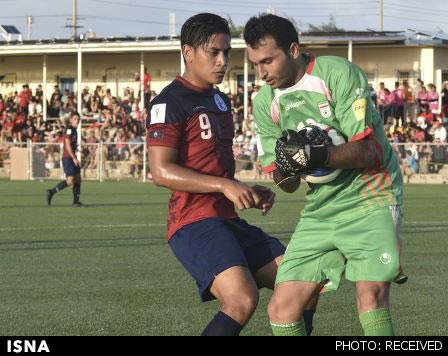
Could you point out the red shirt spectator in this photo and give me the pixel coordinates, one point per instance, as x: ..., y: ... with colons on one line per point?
x: 147, y: 78
x: 24, y: 97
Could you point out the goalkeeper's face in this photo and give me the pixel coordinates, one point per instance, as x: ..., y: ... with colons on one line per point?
x: 277, y: 68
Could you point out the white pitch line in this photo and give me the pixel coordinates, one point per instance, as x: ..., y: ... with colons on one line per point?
x: 68, y: 227
x: 421, y: 224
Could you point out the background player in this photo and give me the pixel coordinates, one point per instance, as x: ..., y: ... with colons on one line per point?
x: 70, y: 162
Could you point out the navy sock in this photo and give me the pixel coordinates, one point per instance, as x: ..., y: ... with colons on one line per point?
x: 222, y: 325
x: 61, y: 185
x: 308, y: 318
x: 76, y: 192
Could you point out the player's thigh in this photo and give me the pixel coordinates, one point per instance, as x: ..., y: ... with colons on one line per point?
x: 262, y: 251
x: 206, y: 249
x: 311, y: 256
x: 370, y: 246
x: 235, y: 286
x: 70, y: 169
x: 265, y: 276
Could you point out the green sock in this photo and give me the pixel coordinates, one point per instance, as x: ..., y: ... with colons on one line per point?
x: 377, y: 322
x: 291, y: 329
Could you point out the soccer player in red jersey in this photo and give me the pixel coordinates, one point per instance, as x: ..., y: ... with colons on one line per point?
x: 190, y: 135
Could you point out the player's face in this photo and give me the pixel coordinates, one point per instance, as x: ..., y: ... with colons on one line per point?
x: 207, y: 65
x: 272, y: 64
x: 74, y: 121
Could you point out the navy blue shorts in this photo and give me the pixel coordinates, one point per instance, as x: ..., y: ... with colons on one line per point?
x: 70, y: 168
x: 210, y: 246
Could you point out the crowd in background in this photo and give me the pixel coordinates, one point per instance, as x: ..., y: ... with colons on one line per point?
x: 410, y: 115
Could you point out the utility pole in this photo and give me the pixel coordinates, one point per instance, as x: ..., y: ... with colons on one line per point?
x: 381, y: 15
x: 75, y: 18
x: 172, y: 22
x: 29, y: 21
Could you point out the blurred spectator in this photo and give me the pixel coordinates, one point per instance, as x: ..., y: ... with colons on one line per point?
x: 373, y: 95
x: 381, y: 101
x: 409, y: 104
x: 433, y: 99
x: 409, y: 165
x: 444, y: 94
x: 438, y: 132
x: 398, y: 104
x: 422, y: 99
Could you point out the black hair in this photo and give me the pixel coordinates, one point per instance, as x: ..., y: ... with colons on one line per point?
x: 74, y: 113
x: 280, y: 29
x: 198, y: 29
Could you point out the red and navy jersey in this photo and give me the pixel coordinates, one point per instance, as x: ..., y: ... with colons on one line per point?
x: 72, y: 135
x: 198, y: 123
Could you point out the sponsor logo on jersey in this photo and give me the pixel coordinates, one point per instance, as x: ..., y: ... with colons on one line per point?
x: 220, y: 103
x: 325, y: 110
x: 69, y: 132
x: 359, y: 108
x: 158, y: 114
x: 295, y: 105
x: 385, y: 258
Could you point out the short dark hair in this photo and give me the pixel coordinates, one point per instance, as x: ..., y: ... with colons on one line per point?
x: 280, y: 29
x: 198, y: 29
x: 74, y: 113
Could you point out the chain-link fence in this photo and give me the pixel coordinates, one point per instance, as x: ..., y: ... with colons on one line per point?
x: 419, y: 162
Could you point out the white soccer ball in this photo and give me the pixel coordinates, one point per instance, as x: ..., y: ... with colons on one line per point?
x: 323, y: 175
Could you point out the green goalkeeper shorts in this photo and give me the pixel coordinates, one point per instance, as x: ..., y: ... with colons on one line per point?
x: 366, y: 249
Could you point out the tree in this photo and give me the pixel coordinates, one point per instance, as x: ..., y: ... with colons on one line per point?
x: 235, y: 31
x: 325, y: 27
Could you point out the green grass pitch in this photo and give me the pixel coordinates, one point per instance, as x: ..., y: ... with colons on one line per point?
x: 107, y: 269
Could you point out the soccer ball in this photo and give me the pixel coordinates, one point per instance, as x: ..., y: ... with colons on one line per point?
x: 323, y: 175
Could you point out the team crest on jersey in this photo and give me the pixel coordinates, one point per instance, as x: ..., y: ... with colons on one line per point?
x: 325, y: 110
x: 220, y: 103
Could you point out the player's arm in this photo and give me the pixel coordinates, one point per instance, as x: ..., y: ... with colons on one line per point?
x: 167, y: 173
x: 357, y: 115
x: 356, y: 154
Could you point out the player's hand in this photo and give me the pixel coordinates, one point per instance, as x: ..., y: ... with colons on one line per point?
x: 76, y: 162
x: 267, y: 198
x: 291, y: 153
x: 242, y: 195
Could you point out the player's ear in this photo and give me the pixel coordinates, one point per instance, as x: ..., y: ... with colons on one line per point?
x: 187, y: 51
x: 294, y: 50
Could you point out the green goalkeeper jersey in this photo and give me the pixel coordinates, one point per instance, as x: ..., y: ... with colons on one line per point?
x: 333, y: 92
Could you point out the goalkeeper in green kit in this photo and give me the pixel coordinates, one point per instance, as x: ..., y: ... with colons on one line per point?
x: 315, y: 120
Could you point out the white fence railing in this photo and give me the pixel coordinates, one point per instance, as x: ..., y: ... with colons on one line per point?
x: 128, y: 160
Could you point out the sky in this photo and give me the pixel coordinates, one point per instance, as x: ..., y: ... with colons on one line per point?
x: 151, y: 18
